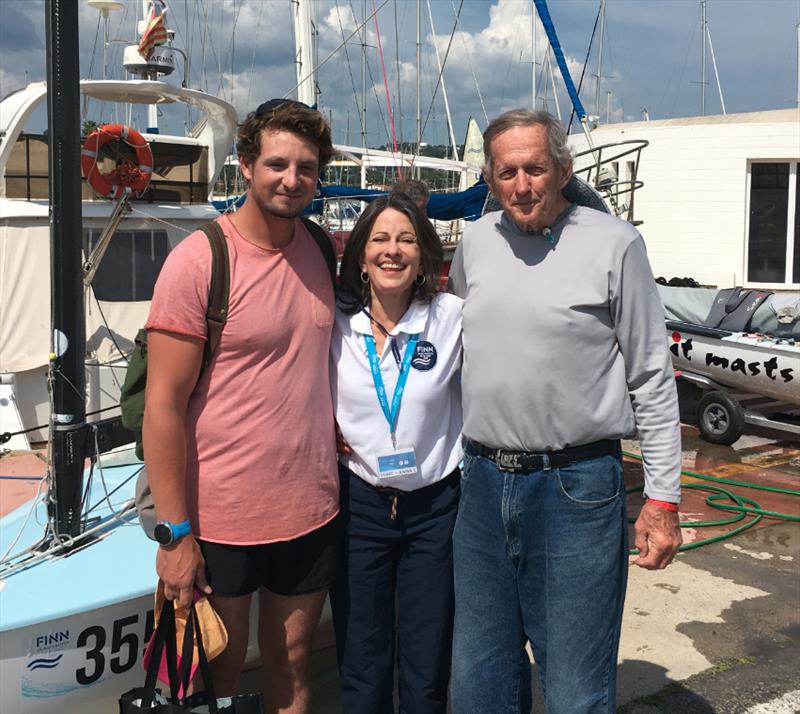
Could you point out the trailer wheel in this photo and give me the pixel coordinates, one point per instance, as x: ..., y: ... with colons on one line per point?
x: 720, y: 418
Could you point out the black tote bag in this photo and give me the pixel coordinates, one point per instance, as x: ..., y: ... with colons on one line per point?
x: 150, y: 700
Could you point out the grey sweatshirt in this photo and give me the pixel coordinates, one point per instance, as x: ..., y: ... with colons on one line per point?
x: 564, y: 341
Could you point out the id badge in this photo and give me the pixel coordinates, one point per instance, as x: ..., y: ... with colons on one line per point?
x: 401, y: 461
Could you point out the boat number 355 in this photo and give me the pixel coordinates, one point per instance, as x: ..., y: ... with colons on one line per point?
x: 125, y: 647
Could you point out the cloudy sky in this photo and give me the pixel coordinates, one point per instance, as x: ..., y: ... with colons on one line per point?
x: 243, y: 50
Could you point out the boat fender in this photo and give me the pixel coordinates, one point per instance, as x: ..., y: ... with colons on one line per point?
x: 127, y: 178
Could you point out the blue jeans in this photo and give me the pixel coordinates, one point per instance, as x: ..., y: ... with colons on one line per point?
x: 541, y: 557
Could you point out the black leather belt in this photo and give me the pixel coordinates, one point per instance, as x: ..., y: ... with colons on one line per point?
x: 519, y: 461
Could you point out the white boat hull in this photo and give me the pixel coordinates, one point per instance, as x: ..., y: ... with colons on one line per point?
x: 81, y: 663
x: 751, y: 365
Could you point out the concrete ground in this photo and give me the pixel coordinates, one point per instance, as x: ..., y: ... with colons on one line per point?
x: 718, y: 632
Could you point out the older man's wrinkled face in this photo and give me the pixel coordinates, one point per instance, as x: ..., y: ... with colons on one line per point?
x: 525, y: 179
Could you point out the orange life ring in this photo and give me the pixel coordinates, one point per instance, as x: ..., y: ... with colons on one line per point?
x: 127, y: 177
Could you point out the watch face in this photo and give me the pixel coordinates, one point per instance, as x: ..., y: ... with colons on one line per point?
x: 163, y: 533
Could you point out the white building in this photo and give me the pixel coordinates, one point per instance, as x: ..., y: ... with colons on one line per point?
x: 721, y: 196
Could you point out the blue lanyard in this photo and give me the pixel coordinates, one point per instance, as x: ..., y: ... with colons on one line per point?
x: 375, y: 366
x: 385, y: 333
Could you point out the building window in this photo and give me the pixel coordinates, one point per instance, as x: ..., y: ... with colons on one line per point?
x: 130, y: 266
x: 773, y: 245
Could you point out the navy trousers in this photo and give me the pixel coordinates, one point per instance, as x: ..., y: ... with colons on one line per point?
x: 408, y: 560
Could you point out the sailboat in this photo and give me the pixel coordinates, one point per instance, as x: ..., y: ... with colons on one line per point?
x: 76, y: 571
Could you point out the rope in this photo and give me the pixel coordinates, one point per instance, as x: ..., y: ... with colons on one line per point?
x: 386, y: 86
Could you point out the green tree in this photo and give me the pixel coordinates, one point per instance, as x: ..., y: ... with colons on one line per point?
x: 88, y: 126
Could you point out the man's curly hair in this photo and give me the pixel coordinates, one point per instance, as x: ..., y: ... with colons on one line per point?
x: 290, y: 116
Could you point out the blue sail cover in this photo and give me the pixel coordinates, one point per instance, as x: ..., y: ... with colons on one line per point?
x: 547, y: 22
x: 466, y: 204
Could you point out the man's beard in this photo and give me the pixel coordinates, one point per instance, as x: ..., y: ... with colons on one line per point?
x: 270, y: 209
x: 283, y: 213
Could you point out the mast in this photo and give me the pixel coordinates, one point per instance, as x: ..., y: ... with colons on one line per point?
x: 364, y: 80
x: 444, y: 88
x: 419, y: 75
x: 68, y: 341
x: 533, y: 56
x: 553, y: 80
x: 703, y: 64
x: 716, y: 71
x: 600, y: 58
x: 304, y: 61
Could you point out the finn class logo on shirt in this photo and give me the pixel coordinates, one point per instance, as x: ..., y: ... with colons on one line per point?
x: 424, y: 356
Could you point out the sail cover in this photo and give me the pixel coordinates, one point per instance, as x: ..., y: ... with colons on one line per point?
x: 466, y: 204
x: 544, y: 16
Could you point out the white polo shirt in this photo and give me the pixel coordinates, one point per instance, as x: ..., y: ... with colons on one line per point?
x: 429, y: 418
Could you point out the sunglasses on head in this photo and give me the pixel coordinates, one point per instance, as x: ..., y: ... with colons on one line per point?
x: 272, y: 104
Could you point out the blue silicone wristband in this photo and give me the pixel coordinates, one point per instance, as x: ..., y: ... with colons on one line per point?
x: 180, y: 529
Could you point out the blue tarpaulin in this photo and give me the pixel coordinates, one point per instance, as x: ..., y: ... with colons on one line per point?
x: 466, y: 204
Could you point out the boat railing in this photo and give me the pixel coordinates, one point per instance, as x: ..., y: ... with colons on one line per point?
x: 615, y: 180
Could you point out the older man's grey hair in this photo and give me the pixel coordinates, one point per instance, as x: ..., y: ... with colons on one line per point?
x: 559, y: 152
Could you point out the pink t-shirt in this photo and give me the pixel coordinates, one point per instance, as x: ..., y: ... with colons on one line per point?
x: 260, y: 444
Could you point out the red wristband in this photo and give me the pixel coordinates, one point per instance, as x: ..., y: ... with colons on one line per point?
x: 666, y: 505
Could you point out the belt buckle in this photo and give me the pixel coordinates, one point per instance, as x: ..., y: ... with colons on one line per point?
x: 507, y: 460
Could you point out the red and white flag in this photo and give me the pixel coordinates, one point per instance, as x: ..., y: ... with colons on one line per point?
x: 155, y: 33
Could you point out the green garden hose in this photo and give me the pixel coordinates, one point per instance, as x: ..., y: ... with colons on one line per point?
x: 741, y: 506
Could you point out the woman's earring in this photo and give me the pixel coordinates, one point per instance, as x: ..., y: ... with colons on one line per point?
x: 420, y: 280
x: 365, y: 277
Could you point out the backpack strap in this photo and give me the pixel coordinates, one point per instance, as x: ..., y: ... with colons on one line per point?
x: 218, y: 290
x: 323, y: 240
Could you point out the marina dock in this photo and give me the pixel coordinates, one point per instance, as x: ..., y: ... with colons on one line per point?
x: 716, y: 632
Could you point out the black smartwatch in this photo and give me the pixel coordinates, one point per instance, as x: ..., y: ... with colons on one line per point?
x: 166, y: 533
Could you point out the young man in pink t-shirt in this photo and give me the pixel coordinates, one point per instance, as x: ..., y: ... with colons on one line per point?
x: 241, y: 458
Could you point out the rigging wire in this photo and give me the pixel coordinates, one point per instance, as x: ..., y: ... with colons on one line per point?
x: 386, y: 87
x: 253, y: 60
x: 94, y: 46
x: 337, y: 48
x: 85, y: 108
x: 349, y: 65
x: 444, y: 64
x: 471, y: 67
x: 629, y: 66
x: 585, y: 65
x: 695, y: 23
x: 397, y: 68
x: 369, y: 70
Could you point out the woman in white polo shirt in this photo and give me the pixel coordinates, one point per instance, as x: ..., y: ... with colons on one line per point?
x: 395, y: 358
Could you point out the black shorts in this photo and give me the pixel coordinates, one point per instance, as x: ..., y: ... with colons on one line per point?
x: 294, y: 567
